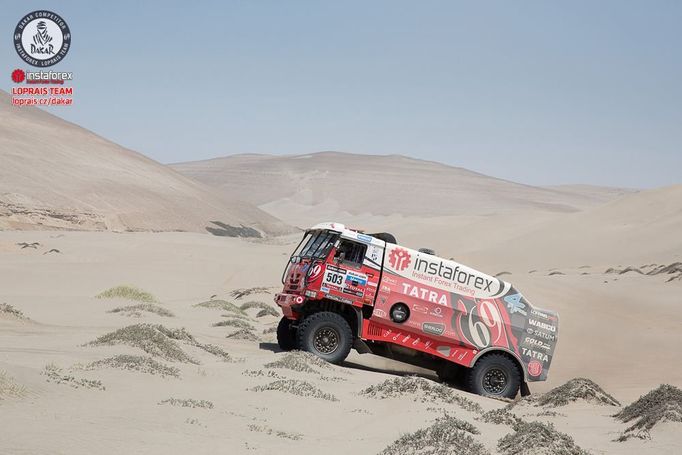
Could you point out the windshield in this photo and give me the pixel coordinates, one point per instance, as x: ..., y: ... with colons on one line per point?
x: 316, y: 244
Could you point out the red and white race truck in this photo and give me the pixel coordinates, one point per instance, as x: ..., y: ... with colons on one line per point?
x: 344, y: 288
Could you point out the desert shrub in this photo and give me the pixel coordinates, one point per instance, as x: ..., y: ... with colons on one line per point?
x: 574, y: 390
x: 243, y: 334
x: 238, y: 323
x: 8, y: 310
x: 56, y: 375
x: 662, y: 404
x: 9, y: 387
x: 299, y: 361
x: 188, y: 403
x: 501, y: 416
x: 445, y: 436
x: 221, y: 305
x: 280, y: 434
x: 295, y: 387
x: 537, y: 438
x: 136, y: 310
x: 269, y: 311
x: 239, y: 293
x: 419, y: 389
x: 127, y: 292
x: 134, y: 363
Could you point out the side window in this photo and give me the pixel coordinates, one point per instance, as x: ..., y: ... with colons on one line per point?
x: 351, y: 252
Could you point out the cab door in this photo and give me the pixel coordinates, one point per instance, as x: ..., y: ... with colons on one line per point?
x: 351, y: 276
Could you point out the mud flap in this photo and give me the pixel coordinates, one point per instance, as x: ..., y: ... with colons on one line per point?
x: 361, y: 346
x: 525, y: 390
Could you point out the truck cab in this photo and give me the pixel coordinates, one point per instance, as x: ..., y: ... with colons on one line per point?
x: 345, y: 289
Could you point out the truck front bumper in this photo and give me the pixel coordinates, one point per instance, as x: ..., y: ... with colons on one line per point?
x: 289, y: 303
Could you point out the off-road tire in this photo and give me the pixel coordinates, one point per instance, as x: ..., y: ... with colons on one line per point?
x: 327, y: 335
x: 286, y: 335
x: 485, y: 378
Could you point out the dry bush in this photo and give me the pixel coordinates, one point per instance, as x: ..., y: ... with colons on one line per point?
x: 239, y: 293
x: 136, y: 310
x: 295, y: 387
x: 420, y: 389
x: 501, y: 416
x: 134, y: 363
x: 269, y: 311
x: 663, y: 404
x: 9, y: 388
x: 238, y: 323
x: 188, y: 403
x: 574, y: 390
x: 536, y: 438
x: 447, y: 435
x: 299, y: 361
x: 221, y: 305
x: 243, y: 334
x: 127, y: 292
x: 56, y: 375
x: 280, y: 434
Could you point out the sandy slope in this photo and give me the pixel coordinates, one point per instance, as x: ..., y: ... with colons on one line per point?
x: 622, y: 331
x: 56, y: 174
x: 302, y: 188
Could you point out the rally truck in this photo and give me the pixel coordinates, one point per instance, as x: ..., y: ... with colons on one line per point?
x: 343, y: 289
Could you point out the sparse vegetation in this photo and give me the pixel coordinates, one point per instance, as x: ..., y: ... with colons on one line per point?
x: 420, y: 389
x: 537, y: 438
x: 295, y: 387
x: 221, y: 305
x: 262, y: 374
x: 9, y: 388
x: 239, y: 293
x: 574, y: 390
x: 127, y: 292
x: 280, y: 434
x: 134, y: 363
x: 243, y: 334
x: 8, y: 310
x: 238, y: 323
x: 136, y: 310
x: 254, y: 304
x: 663, y: 404
x: 501, y: 416
x: 299, y: 361
x: 155, y: 340
x: 446, y: 435
x: 270, y: 330
x: 269, y: 311
x: 159, y: 341
x: 56, y: 375
x: 188, y: 403
x: 556, y: 272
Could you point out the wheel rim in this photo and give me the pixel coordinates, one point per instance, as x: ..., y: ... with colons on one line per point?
x: 495, y: 381
x: 326, y: 340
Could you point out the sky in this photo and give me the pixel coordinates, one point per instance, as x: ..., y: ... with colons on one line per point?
x: 536, y: 92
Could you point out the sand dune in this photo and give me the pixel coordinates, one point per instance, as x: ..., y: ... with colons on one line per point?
x: 55, y: 174
x: 301, y: 188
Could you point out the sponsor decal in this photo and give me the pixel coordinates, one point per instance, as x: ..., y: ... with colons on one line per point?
x: 515, y: 305
x: 542, y: 325
x: 355, y: 279
x: 388, y: 279
x: 482, y: 324
x: 314, y: 273
x: 429, y: 295
x: 436, y: 267
x: 339, y: 299
x: 537, y: 343
x: 540, y: 334
x: 433, y: 328
x: 334, y: 276
x: 420, y: 308
x: 365, y: 238
x: 379, y: 313
x: 534, y: 368
x: 399, y: 259
x: 437, y: 312
x: 535, y: 354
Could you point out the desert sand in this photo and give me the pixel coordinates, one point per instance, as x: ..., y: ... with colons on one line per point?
x: 162, y: 341
x: 179, y: 394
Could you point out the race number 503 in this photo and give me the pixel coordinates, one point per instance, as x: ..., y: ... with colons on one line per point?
x: 333, y: 277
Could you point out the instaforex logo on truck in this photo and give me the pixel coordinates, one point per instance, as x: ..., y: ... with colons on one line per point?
x: 441, y: 273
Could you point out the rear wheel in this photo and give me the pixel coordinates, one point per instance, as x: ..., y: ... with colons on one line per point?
x: 286, y: 335
x: 494, y: 375
x: 327, y: 335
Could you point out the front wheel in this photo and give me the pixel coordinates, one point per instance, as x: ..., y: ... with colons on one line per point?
x: 286, y: 335
x: 494, y: 375
x: 327, y: 335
